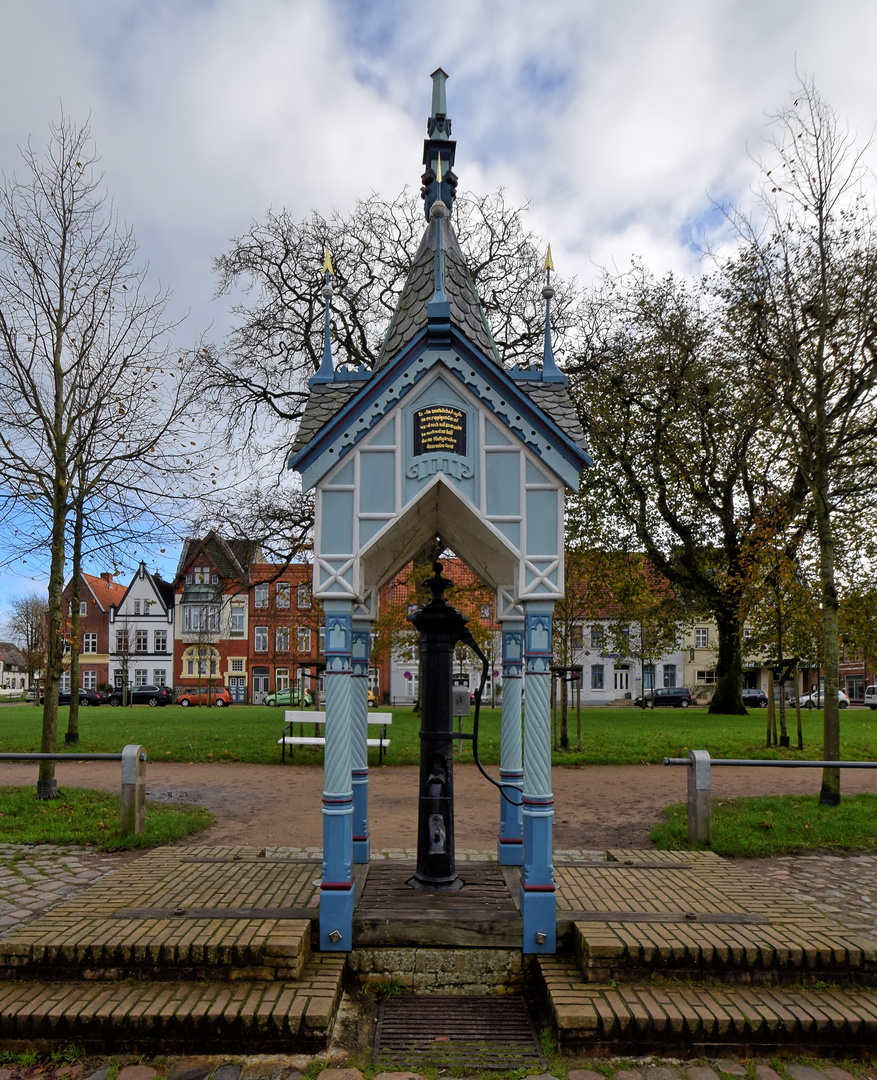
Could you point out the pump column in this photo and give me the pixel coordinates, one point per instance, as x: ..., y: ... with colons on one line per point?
x: 336, y: 889
x: 360, y: 649
x: 511, y: 768
x: 538, y: 901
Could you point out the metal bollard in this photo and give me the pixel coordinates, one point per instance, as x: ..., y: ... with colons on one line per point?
x: 133, y: 790
x: 699, y: 798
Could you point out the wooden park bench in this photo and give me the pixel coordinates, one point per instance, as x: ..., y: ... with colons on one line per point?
x: 293, y: 717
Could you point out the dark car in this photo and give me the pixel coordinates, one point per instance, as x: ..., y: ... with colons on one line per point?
x: 672, y: 696
x: 144, y: 695
x: 755, y: 699
x: 86, y: 697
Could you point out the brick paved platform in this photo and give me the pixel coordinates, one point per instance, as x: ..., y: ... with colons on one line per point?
x: 210, y: 948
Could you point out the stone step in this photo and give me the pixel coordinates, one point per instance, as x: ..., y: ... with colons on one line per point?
x: 144, y: 1015
x: 685, y: 1019
x: 763, y: 952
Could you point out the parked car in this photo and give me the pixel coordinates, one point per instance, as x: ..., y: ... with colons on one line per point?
x: 816, y: 700
x: 86, y: 697
x: 754, y: 699
x: 31, y: 694
x: 292, y: 695
x: 144, y: 695
x: 871, y: 697
x: 206, y: 695
x: 675, y: 696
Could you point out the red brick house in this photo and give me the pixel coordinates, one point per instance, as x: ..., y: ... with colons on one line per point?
x: 97, y: 596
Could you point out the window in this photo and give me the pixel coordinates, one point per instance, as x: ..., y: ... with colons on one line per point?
x: 89, y: 680
x: 188, y: 579
x: 707, y: 677
x: 622, y: 679
x: 198, y: 618
x: 303, y: 596
x: 238, y: 617
x: 701, y: 637
x: 669, y: 675
x: 141, y: 676
x: 281, y: 639
x: 65, y: 682
x: 161, y: 640
x: 121, y: 641
x: 202, y: 575
x: 261, y: 639
x: 89, y: 643
x: 214, y: 578
x: 485, y: 611
x: 136, y: 607
x: 575, y: 636
x: 596, y: 676
x: 83, y: 607
x: 648, y: 676
x: 281, y: 678
x: 598, y: 636
x: 303, y: 639
x: 159, y: 677
x: 66, y: 646
x: 141, y: 641
x: 747, y: 633
x: 260, y: 596
x: 237, y: 665
x: 282, y: 594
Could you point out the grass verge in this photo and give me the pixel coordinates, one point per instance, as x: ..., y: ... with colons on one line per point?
x: 776, y: 825
x: 86, y: 818
x: 608, y: 736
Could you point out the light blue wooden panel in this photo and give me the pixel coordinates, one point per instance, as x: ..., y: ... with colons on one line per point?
x: 542, y: 524
x: 336, y: 523
x: 343, y: 476
x: 502, y: 484
x: 368, y: 529
x: 511, y: 530
x: 493, y: 436
x: 535, y: 475
x: 377, y: 482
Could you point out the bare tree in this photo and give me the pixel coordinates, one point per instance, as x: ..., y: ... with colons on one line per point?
x: 27, y: 623
x: 801, y: 296
x: 102, y: 413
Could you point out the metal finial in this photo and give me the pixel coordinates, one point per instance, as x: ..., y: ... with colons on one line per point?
x: 550, y: 371
x: 326, y: 371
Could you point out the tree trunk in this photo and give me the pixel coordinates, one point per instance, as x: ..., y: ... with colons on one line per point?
x: 47, y: 785
x: 728, y: 696
x: 829, y: 794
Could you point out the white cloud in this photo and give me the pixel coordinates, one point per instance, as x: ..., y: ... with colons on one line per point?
x: 618, y: 122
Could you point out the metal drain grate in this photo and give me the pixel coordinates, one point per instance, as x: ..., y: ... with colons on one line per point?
x: 456, y: 1032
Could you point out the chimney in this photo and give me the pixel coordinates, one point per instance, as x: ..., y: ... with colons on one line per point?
x: 107, y: 577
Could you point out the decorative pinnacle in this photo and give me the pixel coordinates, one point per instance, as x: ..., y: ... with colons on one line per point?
x: 326, y: 372
x: 438, y: 182
x: 550, y: 372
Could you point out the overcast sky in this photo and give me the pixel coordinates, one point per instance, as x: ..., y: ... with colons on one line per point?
x: 621, y: 123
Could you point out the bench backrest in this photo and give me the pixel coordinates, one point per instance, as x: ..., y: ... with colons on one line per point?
x: 295, y: 716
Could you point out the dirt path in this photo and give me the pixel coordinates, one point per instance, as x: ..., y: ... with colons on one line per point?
x: 596, y: 806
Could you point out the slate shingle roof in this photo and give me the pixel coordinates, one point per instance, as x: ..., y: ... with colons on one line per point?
x: 410, y: 315
x: 554, y: 401
x: 325, y: 401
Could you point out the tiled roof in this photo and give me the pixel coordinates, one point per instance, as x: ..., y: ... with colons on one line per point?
x: 554, y: 401
x: 325, y: 401
x: 12, y: 656
x: 105, y: 592
x: 410, y: 315
x: 230, y: 558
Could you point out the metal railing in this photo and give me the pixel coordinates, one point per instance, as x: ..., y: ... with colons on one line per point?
x: 133, y: 759
x: 700, y: 766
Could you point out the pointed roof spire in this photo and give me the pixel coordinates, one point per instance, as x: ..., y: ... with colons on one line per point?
x: 326, y: 372
x: 550, y: 371
x: 438, y: 144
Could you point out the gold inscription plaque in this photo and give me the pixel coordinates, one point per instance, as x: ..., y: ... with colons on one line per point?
x: 440, y: 428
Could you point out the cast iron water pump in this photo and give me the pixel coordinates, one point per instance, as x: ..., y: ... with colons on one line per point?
x: 441, y: 627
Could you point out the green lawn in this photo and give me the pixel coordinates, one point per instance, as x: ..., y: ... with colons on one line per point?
x: 776, y: 825
x: 609, y: 736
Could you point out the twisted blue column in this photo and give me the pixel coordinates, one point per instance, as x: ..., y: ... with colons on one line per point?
x: 359, y: 748
x: 511, y: 763
x: 336, y: 887
x: 538, y: 901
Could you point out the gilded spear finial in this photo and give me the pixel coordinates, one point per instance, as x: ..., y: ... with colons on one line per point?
x: 326, y: 372
x: 550, y: 371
